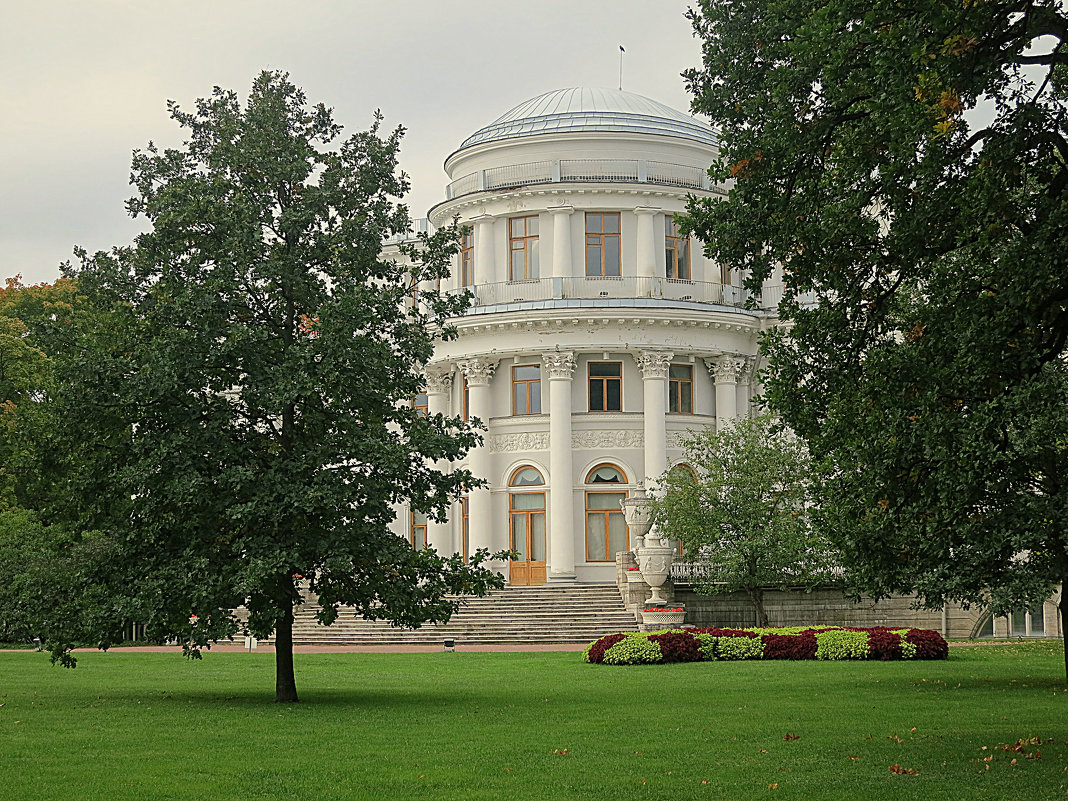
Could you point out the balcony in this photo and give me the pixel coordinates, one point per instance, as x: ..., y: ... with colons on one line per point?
x: 625, y: 171
x: 608, y: 289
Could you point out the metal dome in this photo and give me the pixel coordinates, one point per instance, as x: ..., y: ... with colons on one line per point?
x: 585, y: 109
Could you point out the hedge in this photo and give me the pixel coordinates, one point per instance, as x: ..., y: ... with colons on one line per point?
x: 794, y: 642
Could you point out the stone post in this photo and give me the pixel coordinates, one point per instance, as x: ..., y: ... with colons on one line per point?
x: 560, y: 367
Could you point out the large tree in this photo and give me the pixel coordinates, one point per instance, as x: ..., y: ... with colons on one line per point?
x: 740, y: 511
x: 238, y: 409
x: 904, y: 166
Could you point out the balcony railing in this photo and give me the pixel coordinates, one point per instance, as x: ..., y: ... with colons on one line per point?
x: 627, y: 171
x: 609, y: 288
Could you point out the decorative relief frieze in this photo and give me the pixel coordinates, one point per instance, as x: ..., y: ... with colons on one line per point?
x: 559, y: 365
x: 521, y: 441
x: 608, y: 439
x: 654, y: 363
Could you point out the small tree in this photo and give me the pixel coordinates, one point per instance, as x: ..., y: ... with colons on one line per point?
x: 741, y: 513
x: 238, y: 410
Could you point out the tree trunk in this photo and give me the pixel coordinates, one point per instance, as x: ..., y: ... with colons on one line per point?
x: 757, y: 594
x: 285, y: 684
x: 1064, y: 621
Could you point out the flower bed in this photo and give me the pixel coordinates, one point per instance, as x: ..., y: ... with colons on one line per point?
x: 796, y: 642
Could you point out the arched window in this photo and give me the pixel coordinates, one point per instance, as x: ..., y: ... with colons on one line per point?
x: 606, y: 530
x: 526, y: 526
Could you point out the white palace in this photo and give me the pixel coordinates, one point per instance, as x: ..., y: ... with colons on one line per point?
x: 597, y: 334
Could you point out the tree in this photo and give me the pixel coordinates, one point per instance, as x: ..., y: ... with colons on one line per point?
x: 239, y: 410
x: 904, y: 167
x: 741, y: 515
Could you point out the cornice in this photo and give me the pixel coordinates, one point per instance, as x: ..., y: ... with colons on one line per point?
x: 553, y: 319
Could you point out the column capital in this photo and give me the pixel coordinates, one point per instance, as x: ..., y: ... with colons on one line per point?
x: 726, y: 368
x: 559, y: 365
x: 439, y: 380
x: 654, y: 364
x: 560, y: 209
x: 478, y: 371
x: 647, y: 210
x: 482, y: 219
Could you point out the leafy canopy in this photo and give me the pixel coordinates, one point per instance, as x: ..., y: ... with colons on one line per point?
x: 902, y: 167
x: 241, y: 412
x: 740, y: 510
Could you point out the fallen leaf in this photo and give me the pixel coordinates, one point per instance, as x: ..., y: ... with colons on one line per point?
x: 913, y: 729
x: 1011, y: 763
x: 895, y: 768
x: 773, y: 787
x: 704, y: 781
x: 792, y: 737
x: 895, y: 738
x: 854, y: 757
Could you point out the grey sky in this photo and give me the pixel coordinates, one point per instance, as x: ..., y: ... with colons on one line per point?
x: 84, y: 82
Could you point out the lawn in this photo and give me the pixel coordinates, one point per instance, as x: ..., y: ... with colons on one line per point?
x: 399, y: 727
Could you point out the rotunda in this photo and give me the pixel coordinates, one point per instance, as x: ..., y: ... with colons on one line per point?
x: 598, y: 333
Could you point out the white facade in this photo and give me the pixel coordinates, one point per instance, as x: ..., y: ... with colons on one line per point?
x: 576, y: 274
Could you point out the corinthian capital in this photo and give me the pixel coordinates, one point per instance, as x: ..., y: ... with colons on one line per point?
x: 655, y: 363
x: 438, y: 380
x: 559, y: 365
x: 478, y: 371
x: 726, y: 368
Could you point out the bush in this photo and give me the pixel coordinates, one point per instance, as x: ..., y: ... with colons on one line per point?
x: 842, y: 644
x: 796, y: 643
x: 633, y: 651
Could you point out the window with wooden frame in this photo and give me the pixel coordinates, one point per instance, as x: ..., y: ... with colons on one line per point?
x: 421, y: 404
x: 606, y: 528
x: 467, y: 258
x: 526, y: 389
x: 523, y: 248
x: 605, y: 386
x: 465, y: 517
x: 602, y: 244
x: 417, y: 530
x: 465, y: 401
x: 680, y: 389
x: 677, y: 249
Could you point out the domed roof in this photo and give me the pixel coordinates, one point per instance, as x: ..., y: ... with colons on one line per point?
x: 585, y: 109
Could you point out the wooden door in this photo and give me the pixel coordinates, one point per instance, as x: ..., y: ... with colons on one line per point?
x: 527, y: 523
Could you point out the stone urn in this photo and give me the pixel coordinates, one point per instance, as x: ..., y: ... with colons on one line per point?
x: 638, y: 516
x: 654, y: 560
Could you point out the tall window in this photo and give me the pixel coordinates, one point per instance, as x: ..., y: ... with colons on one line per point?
x: 602, y: 244
x: 680, y: 389
x: 526, y: 389
x: 466, y: 400
x: 467, y: 258
x: 417, y: 530
x: 523, y: 246
x: 421, y: 403
x: 606, y: 386
x: 678, y: 250
x: 526, y: 525
x: 606, y: 530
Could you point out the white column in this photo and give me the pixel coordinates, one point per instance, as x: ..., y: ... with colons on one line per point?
x: 561, y: 241
x: 438, y: 387
x: 725, y: 370
x: 654, y: 366
x: 559, y: 367
x: 646, y: 266
x: 479, y: 372
x: 484, y: 267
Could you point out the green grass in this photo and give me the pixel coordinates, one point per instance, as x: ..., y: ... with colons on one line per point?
x: 488, y: 726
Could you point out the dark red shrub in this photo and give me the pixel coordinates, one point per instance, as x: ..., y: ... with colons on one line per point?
x: 883, y: 644
x: 678, y: 646
x: 602, y: 645
x: 790, y: 646
x: 929, y: 644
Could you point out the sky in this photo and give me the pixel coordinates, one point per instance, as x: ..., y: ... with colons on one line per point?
x: 83, y: 83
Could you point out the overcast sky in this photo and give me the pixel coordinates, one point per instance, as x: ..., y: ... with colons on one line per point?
x: 84, y: 82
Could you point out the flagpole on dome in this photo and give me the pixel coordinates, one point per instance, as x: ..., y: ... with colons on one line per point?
x: 621, y: 52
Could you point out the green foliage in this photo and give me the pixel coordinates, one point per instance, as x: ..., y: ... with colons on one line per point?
x: 743, y: 512
x: 837, y: 644
x: 634, y: 650
x: 902, y: 169
x: 238, y: 409
x: 709, y: 646
x: 732, y: 648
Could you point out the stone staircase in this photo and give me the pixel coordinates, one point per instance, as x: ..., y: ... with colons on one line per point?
x: 549, y: 614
